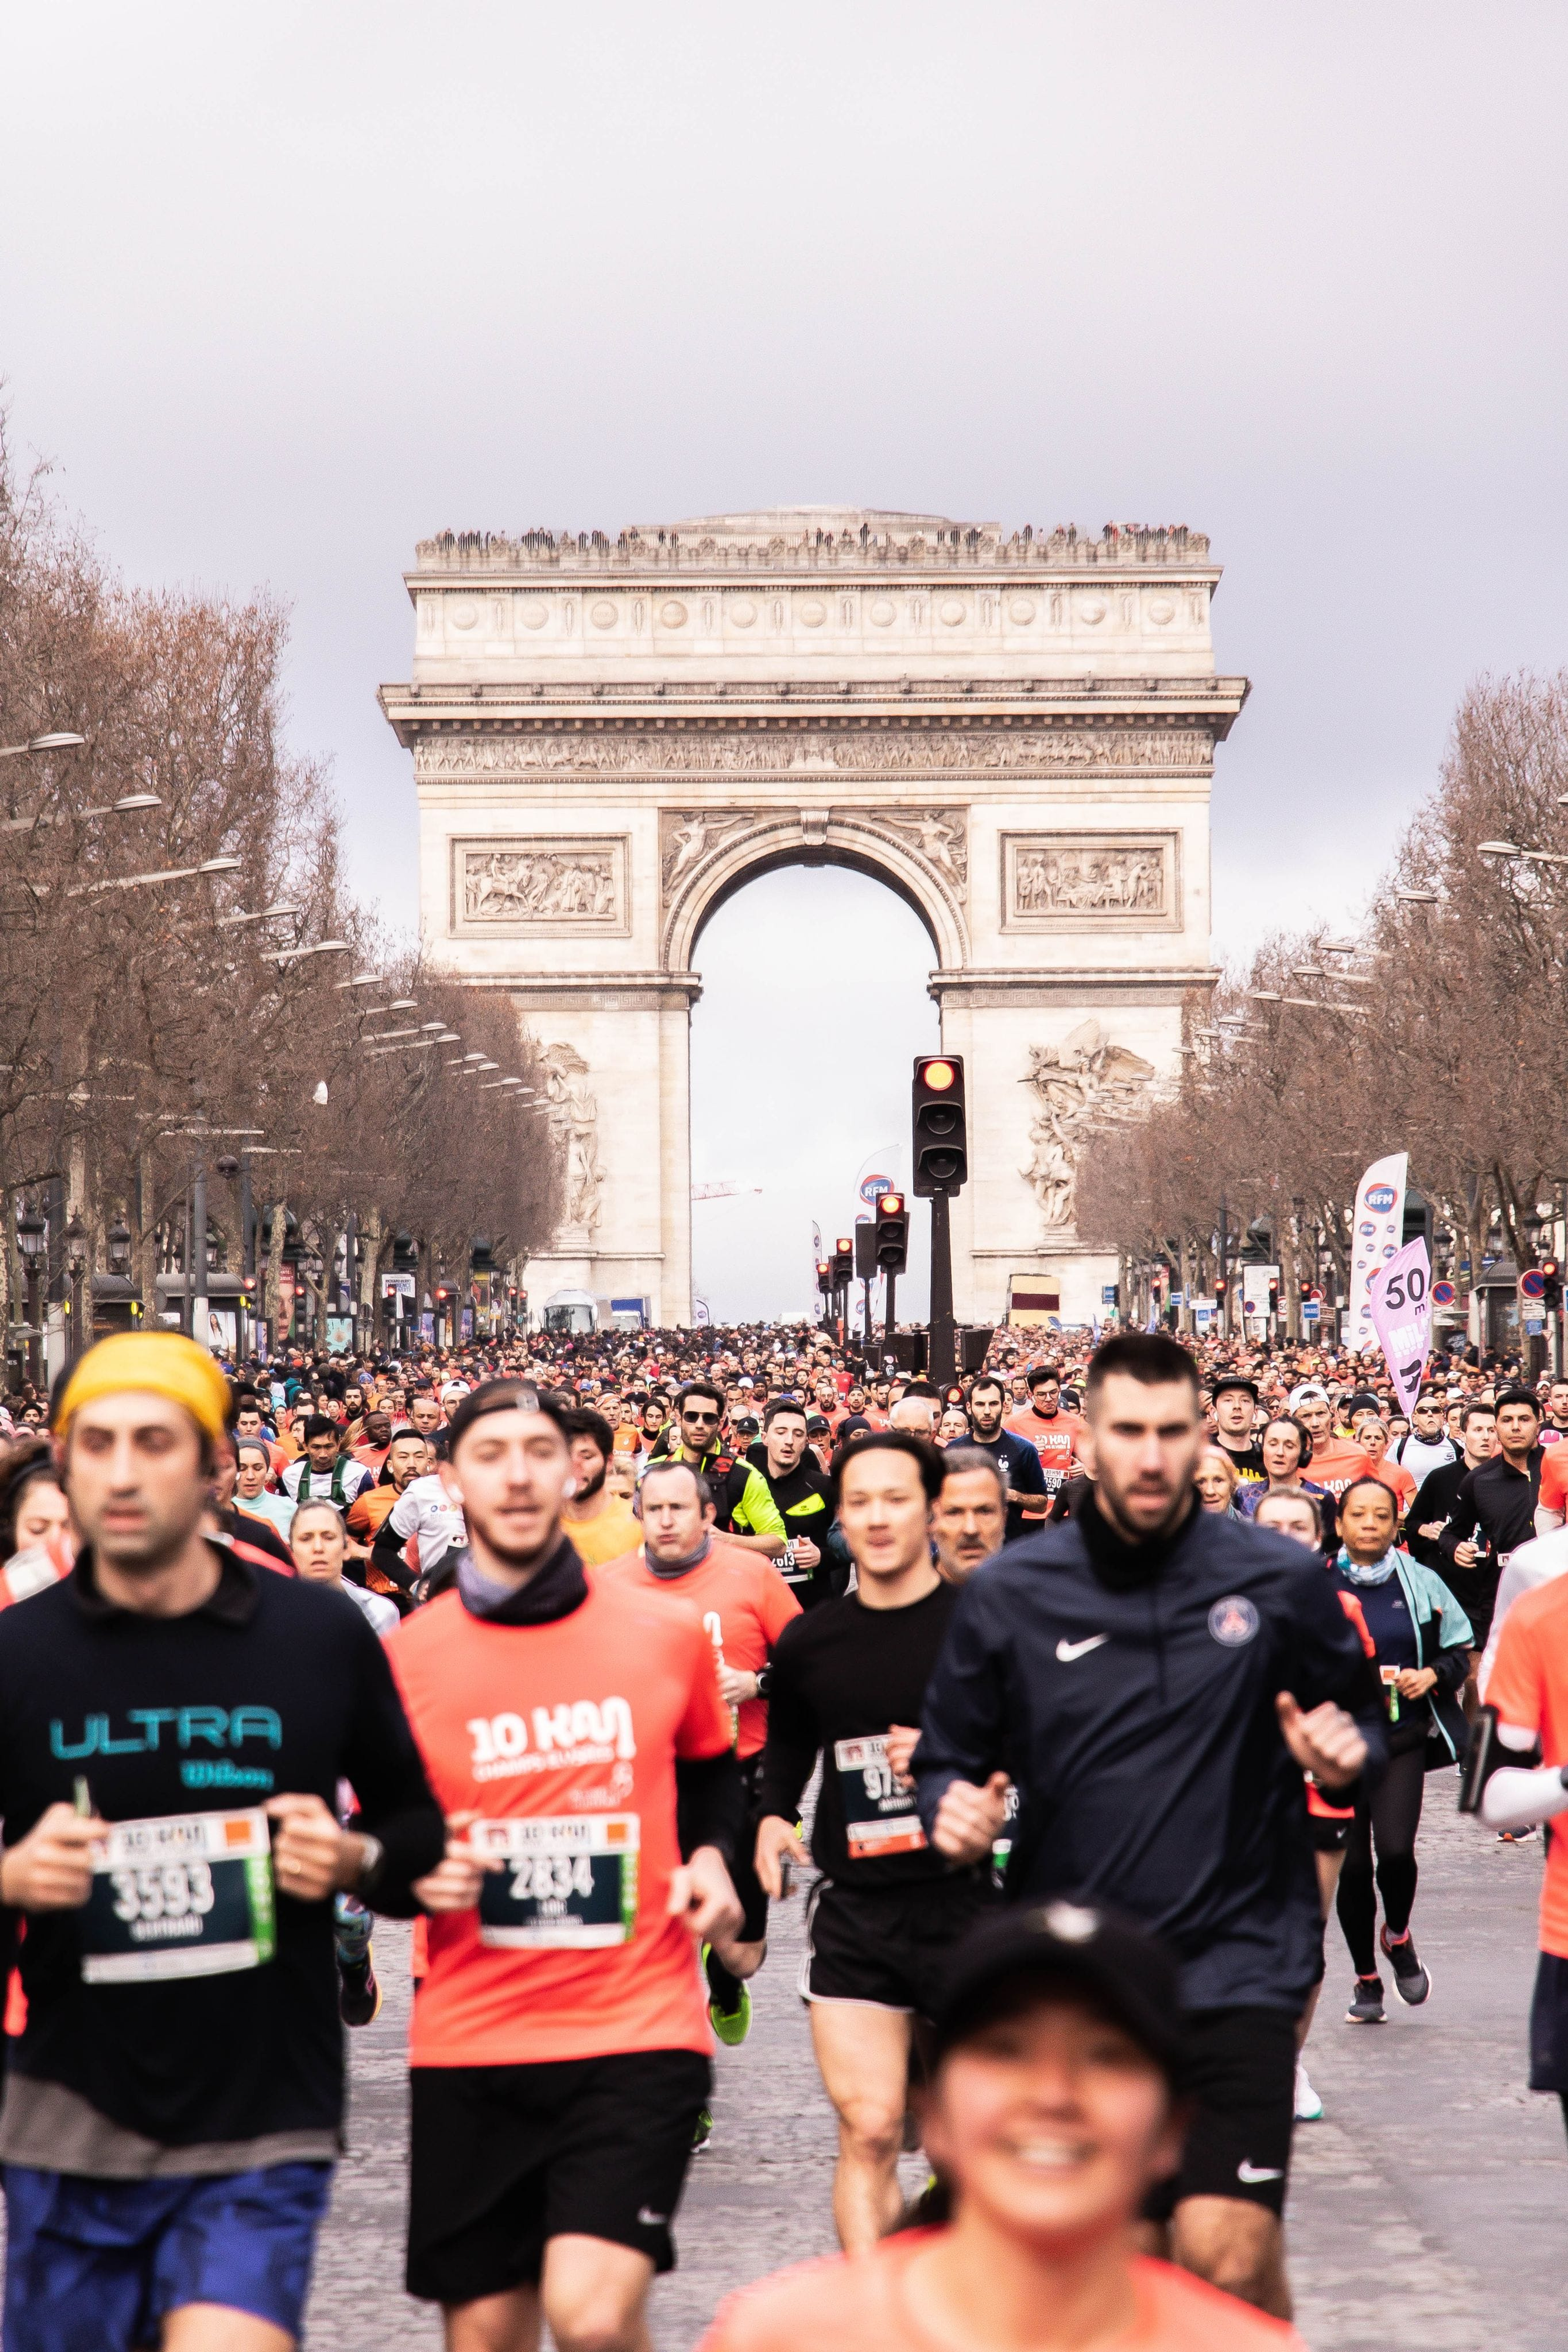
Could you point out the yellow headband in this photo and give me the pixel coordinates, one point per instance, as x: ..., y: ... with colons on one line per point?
x: 164, y: 1362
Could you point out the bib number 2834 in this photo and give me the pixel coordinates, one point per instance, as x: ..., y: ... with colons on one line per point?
x: 183, y: 1895
x: 565, y: 1884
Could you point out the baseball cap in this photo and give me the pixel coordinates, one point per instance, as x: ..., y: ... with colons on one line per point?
x: 1079, y: 1946
x: 1234, y: 1381
x: 1310, y: 1392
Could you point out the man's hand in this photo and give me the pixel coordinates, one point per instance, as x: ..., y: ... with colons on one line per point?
x: 902, y: 1740
x: 1433, y: 1529
x: 734, y: 1684
x: 51, y: 1868
x: 808, y: 1555
x: 312, y: 1855
x: 1465, y: 1554
x: 969, y: 1820
x: 777, y: 1839
x: 1415, y: 1682
x: 455, y: 1884
x: 703, y: 1899
x: 1325, y: 1743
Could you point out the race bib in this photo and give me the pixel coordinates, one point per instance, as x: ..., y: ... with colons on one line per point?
x: 184, y: 1894
x: 879, y: 1816
x: 568, y: 1885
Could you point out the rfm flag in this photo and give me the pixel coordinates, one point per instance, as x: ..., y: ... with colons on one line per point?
x: 1400, y: 1295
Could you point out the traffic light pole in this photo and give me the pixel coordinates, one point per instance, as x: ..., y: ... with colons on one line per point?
x: 889, y: 1325
x: 944, y: 1339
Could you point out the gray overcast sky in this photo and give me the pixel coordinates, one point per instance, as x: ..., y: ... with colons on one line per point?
x: 283, y: 290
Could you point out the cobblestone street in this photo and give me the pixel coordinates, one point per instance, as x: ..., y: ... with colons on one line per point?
x: 1426, y: 2210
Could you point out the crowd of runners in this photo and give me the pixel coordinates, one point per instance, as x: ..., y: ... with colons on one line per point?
x: 1076, y: 1699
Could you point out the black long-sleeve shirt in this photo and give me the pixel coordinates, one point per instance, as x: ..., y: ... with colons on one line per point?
x: 274, y: 1687
x: 841, y: 1676
x: 1130, y: 1694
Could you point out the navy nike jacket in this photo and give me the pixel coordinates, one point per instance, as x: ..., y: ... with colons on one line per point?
x: 1138, y: 1726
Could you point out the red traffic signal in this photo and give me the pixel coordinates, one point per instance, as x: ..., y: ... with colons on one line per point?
x: 892, y: 1232
x: 941, y: 1144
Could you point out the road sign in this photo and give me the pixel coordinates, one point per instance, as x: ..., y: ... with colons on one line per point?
x: 1534, y: 1327
x: 1533, y: 1284
x: 1443, y: 1294
x: 1312, y: 1310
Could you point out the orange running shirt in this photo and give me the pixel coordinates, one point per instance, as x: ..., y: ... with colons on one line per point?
x: 1396, y: 1475
x: 1553, y: 1494
x: 562, y: 1739
x: 1529, y: 1687
x: 1335, y: 1464
x: 1059, y: 1442
x: 869, y: 2302
x: 744, y: 1605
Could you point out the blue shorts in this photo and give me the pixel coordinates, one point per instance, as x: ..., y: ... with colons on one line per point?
x: 94, y: 2265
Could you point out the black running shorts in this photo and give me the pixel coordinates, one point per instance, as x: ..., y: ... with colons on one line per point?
x: 504, y: 2158
x: 887, y: 1946
x: 1240, y: 2073
x: 1548, y: 2025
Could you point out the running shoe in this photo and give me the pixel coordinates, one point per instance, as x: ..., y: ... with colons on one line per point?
x: 1365, y: 2002
x: 732, y: 2025
x: 1411, y: 1981
x: 359, y: 1994
x: 703, y: 2134
x: 1309, y: 2106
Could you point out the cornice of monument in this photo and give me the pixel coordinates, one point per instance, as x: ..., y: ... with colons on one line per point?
x: 844, y: 543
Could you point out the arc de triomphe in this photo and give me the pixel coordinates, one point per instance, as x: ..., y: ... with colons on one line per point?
x: 1015, y: 734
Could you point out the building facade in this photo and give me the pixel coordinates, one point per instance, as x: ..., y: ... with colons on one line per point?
x: 1016, y: 733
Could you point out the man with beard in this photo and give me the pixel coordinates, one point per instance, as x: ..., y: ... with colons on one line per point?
x: 601, y: 1526
x: 1014, y: 1457
x: 1156, y: 1697
x: 559, y: 2047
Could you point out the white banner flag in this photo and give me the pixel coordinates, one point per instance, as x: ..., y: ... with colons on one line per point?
x: 1401, y: 1295
x: 1377, y: 1228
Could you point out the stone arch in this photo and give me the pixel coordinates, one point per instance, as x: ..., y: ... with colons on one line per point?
x: 836, y: 837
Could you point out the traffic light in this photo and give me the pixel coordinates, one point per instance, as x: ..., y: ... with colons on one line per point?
x: 865, y: 1250
x: 825, y: 1276
x: 1550, y: 1284
x: 941, y: 1148
x: 844, y: 1259
x: 892, y: 1232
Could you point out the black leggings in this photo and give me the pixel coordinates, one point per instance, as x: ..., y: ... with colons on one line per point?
x: 1392, y: 1816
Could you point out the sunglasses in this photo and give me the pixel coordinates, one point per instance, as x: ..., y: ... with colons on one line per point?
x: 701, y: 1420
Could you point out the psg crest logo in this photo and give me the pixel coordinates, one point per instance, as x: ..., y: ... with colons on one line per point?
x: 1233, y: 1621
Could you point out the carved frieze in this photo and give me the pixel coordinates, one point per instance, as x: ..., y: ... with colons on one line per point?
x: 783, y: 750
x: 1091, y: 881
x: 688, y: 838
x: 514, y: 884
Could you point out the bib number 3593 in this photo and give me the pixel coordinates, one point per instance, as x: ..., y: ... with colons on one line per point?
x: 182, y: 1894
x: 566, y: 1884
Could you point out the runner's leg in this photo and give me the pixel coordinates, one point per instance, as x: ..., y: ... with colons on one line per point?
x: 495, y: 2323
x: 595, y: 2296
x: 216, y: 2328
x: 862, y: 2054
x: 1234, y: 2245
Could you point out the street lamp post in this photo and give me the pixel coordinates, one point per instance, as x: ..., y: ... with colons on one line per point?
x: 76, y: 1267
x: 31, y: 1241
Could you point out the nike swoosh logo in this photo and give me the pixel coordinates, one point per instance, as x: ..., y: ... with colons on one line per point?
x: 1250, y: 2172
x: 651, y: 2221
x: 1067, y: 1651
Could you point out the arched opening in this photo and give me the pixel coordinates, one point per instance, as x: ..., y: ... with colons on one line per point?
x: 814, y: 1003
